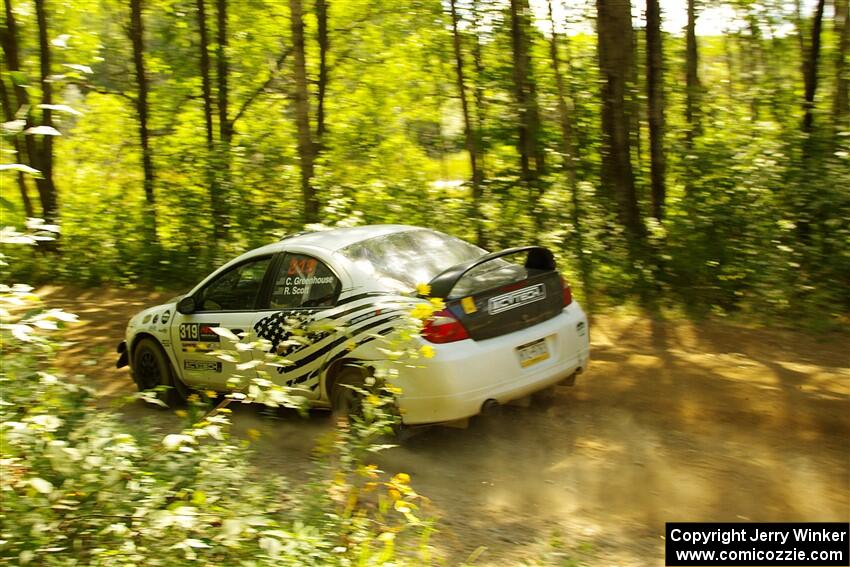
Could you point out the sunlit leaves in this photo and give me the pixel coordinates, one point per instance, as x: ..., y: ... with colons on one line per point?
x: 42, y: 131
x: 61, y: 108
x: 23, y: 168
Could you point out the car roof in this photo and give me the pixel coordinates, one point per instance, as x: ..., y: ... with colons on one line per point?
x: 338, y: 238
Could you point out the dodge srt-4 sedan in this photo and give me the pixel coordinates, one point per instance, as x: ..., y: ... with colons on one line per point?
x: 510, y: 326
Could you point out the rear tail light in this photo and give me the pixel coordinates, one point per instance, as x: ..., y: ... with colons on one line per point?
x: 568, y: 293
x: 444, y: 327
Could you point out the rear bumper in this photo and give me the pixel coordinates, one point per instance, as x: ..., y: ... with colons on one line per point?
x: 463, y: 375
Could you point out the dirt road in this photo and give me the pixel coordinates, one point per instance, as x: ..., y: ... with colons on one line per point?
x: 672, y: 422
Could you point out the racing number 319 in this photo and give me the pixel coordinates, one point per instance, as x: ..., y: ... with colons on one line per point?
x: 301, y: 266
x: 188, y: 332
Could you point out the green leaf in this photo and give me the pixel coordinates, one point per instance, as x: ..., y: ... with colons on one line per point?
x: 81, y: 68
x: 41, y: 485
x: 61, y: 108
x: 42, y: 131
x: 19, y: 167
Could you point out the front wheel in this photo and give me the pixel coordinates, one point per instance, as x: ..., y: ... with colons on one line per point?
x: 151, y: 368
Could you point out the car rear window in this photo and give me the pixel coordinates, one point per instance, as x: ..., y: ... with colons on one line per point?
x: 404, y: 259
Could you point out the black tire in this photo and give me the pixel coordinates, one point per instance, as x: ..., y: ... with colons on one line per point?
x: 346, y: 402
x: 151, y: 368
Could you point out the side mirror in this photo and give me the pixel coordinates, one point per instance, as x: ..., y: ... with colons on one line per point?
x: 186, y: 306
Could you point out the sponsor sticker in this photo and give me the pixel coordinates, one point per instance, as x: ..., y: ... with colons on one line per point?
x: 199, y: 332
x: 468, y: 304
x: 166, y: 315
x: 517, y: 298
x: 199, y: 347
x: 202, y: 366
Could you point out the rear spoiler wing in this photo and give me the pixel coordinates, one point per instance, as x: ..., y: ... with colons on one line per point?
x: 539, y: 258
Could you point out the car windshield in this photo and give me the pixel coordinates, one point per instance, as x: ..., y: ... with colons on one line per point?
x: 402, y: 260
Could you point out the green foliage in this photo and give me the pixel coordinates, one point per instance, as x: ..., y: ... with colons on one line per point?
x: 755, y: 208
x: 81, y: 486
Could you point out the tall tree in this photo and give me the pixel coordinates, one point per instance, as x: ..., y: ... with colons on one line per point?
x: 570, y: 154
x: 225, y: 126
x: 322, y: 85
x: 11, y: 51
x: 46, y: 189
x: 655, y: 105
x: 478, y: 65
x: 9, y: 116
x: 468, y: 127
x: 532, y: 163
x: 810, y: 69
x: 614, y: 32
x: 692, y: 85
x: 841, y: 100
x: 306, y: 149
x: 218, y: 210
x: 137, y: 32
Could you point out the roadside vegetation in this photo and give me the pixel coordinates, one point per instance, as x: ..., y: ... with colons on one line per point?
x: 662, y: 166
x: 145, y: 142
x: 81, y: 486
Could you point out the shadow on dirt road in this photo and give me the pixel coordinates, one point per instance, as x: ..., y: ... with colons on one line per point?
x: 672, y: 422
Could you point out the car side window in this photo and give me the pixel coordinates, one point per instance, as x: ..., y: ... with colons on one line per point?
x: 236, y: 289
x: 304, y: 281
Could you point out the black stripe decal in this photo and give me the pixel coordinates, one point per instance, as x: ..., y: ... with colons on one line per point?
x: 379, y: 320
x: 315, y: 373
x: 374, y: 305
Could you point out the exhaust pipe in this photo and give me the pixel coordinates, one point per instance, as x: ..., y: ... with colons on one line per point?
x: 490, y: 407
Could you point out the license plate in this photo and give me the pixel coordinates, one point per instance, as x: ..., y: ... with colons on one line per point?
x: 532, y: 353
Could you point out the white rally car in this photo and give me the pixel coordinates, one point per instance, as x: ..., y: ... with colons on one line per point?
x: 510, y: 327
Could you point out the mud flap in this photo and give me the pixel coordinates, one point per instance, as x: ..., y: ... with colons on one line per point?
x: 124, y: 358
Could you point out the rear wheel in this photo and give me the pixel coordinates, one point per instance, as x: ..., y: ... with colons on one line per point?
x: 151, y: 368
x: 345, y: 399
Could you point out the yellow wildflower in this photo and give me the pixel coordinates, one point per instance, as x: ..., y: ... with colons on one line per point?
x: 401, y: 477
x: 422, y: 311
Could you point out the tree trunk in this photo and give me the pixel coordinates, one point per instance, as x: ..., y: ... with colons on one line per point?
x: 324, y: 46
x: 692, y: 85
x: 519, y: 72
x: 479, y: 87
x: 841, y: 102
x: 218, y: 212
x: 729, y: 60
x: 614, y: 31
x: 46, y: 189
x: 635, y: 104
x: 810, y: 75
x: 655, y: 106
x: 206, y: 86
x: 570, y: 157
x: 225, y: 126
x: 137, y: 39
x: 8, y: 116
x: 302, y: 114
x: 468, y: 128
x: 752, y: 66
x: 532, y: 164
